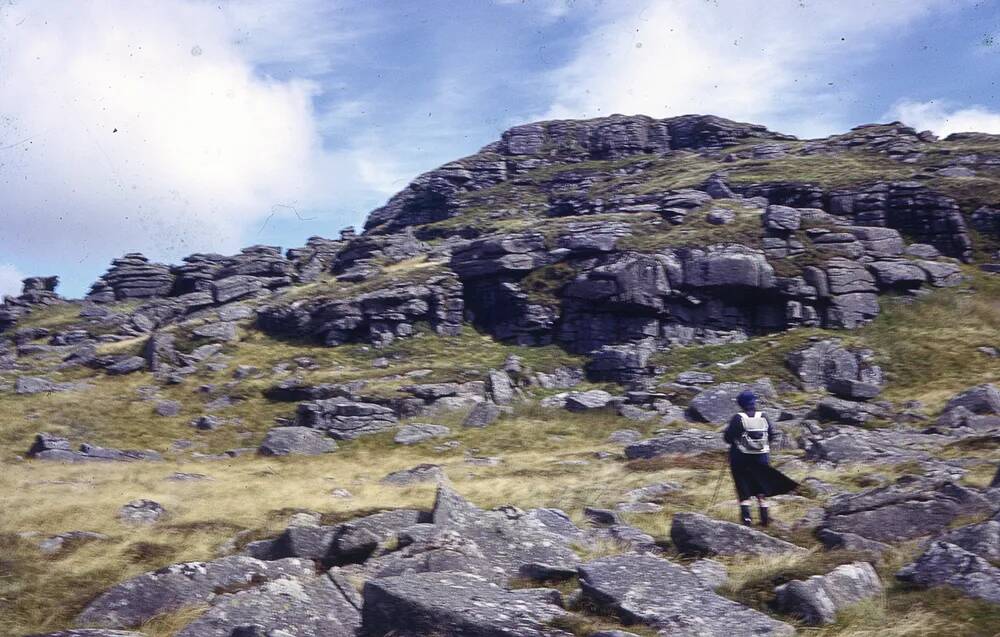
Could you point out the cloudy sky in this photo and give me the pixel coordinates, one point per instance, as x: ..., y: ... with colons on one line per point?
x: 176, y: 126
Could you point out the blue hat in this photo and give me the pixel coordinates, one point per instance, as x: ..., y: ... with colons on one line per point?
x: 746, y: 399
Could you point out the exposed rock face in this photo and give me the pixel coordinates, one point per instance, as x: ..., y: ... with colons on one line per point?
x: 377, y: 317
x: 651, y: 591
x: 944, y: 564
x: 457, y: 605
x: 696, y: 534
x: 818, y: 599
x: 433, y: 196
x: 132, y: 277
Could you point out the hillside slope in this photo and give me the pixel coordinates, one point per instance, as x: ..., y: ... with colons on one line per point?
x: 556, y: 325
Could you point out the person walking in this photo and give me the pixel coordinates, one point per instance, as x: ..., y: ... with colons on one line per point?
x: 749, y: 435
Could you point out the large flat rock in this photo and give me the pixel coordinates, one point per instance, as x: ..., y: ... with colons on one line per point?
x: 697, y: 534
x: 456, y: 605
x: 648, y: 590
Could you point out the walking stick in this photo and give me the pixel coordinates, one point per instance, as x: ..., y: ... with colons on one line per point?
x: 718, y: 483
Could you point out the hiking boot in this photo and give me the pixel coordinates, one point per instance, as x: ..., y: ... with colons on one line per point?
x: 745, y: 515
x: 765, y: 516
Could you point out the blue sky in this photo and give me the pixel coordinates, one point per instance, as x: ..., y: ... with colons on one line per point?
x: 175, y: 126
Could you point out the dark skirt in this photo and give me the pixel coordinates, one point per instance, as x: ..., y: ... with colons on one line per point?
x: 753, y: 475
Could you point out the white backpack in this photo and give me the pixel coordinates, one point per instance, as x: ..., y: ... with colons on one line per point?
x: 754, y: 438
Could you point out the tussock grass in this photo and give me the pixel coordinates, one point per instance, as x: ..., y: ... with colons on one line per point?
x: 928, y: 346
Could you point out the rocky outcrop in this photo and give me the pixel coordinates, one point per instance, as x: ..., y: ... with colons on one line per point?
x: 132, y: 277
x: 434, y: 196
x: 376, y: 317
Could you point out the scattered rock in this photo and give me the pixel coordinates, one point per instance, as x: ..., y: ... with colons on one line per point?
x: 817, y: 600
x: 696, y: 534
x: 585, y: 401
x: 136, y: 601
x: 141, y: 512
x: 482, y: 415
x: 944, y: 564
x: 647, y: 590
x: 416, y: 433
x: 127, y: 365
x: 417, y: 474
x: 301, y: 441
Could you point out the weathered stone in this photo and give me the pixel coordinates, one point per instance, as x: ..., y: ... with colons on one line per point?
x: 323, y: 606
x: 127, y: 365
x: 718, y: 404
x: 696, y: 534
x: 818, y: 599
x: 418, y: 432
x: 944, y: 564
x: 850, y: 542
x: 456, y: 605
x: 300, y: 441
x: 902, y: 512
x: 141, y: 512
x: 983, y: 539
x: 781, y: 218
x: 687, y: 441
x: 482, y: 415
x: 585, y: 401
x: 141, y: 598
x: 414, y: 475
x: 344, y: 419
x: 216, y: 332
x: 848, y: 411
x: 28, y: 385
x: 981, y: 399
x: 500, y: 387
x: 648, y: 590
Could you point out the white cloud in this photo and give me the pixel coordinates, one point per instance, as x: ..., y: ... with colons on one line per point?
x: 147, y: 125
x: 944, y: 117
x: 780, y: 63
x: 10, y: 280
